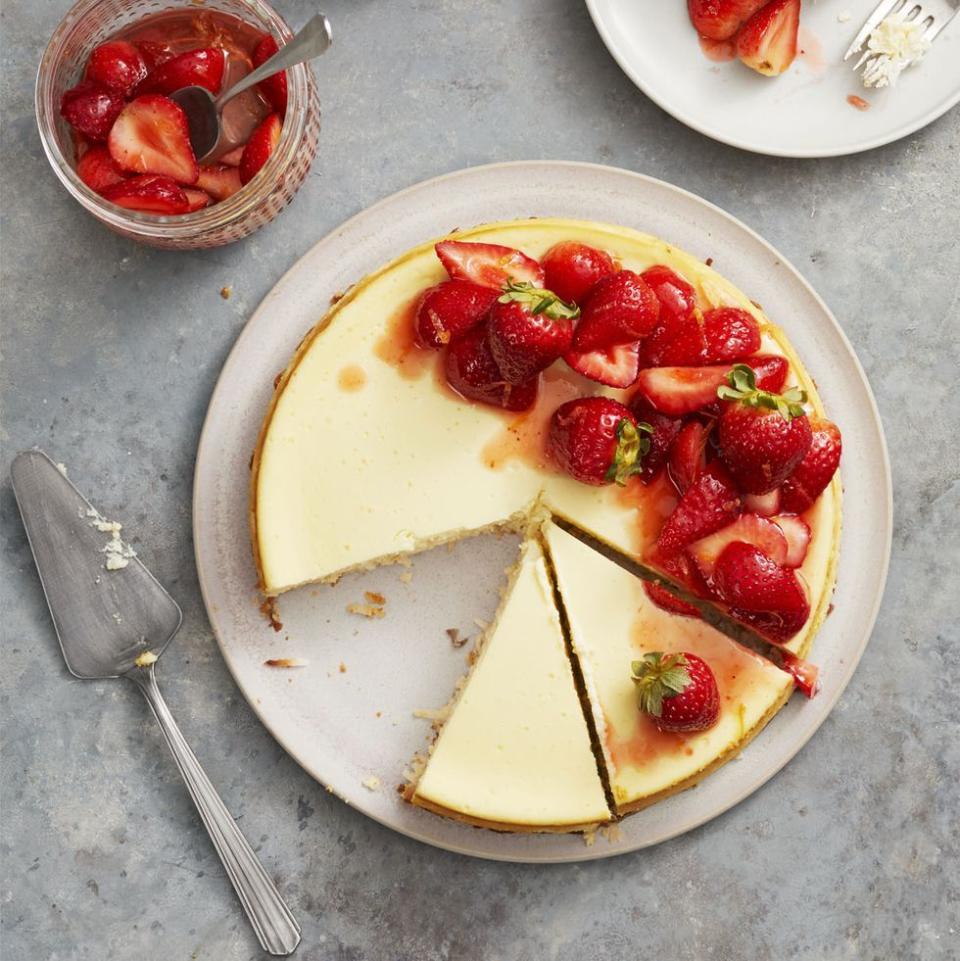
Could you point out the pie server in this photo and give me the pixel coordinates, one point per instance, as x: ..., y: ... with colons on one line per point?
x: 116, y: 623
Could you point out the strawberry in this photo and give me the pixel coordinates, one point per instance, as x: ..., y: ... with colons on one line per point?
x: 688, y: 455
x: 730, y: 333
x: 151, y: 137
x: 667, y: 601
x: 766, y: 505
x: 710, y: 503
x: 273, y: 88
x: 153, y: 52
x: 770, y: 370
x: 97, y: 169
x: 263, y: 141
x: 680, y: 390
x: 749, y: 581
x: 812, y: 475
x: 571, y: 269
x: 195, y: 68
x: 148, y: 194
x: 767, y: 42
x: 678, y: 691
x: 806, y: 676
x: 752, y: 529
x: 448, y: 310
x: 91, y: 109
x: 720, y: 19
x: 688, y: 345
x: 116, y: 65
x: 678, y: 309
x: 528, y: 330
x: 797, y: 533
x: 597, y: 440
x: 621, y: 309
x: 473, y: 373
x: 219, y: 180
x: 680, y: 568
x: 762, y: 436
x: 778, y: 627
x: 612, y: 366
x: 665, y: 431
x: 489, y: 265
x: 196, y: 199
x: 233, y: 157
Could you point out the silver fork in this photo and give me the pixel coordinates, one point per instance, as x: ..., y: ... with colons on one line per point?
x: 934, y: 15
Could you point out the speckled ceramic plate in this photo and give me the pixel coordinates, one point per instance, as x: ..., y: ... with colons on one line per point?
x: 805, y: 112
x: 347, y: 716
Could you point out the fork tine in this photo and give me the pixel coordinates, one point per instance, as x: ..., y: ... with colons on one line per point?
x: 883, y: 10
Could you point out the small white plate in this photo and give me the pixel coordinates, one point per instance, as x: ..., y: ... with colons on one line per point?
x: 346, y: 726
x: 805, y: 112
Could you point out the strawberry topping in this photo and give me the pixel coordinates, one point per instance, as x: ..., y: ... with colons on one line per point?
x: 97, y: 169
x: 448, y: 310
x: 688, y: 455
x: 763, y: 534
x: 149, y: 194
x: 612, y: 366
x: 678, y: 691
x: 473, y: 373
x: 150, y: 136
x: 621, y: 309
x: 91, y: 109
x: 490, y: 265
x: 263, y: 141
x: 730, y: 334
x: 116, y: 65
x: 812, y: 475
x: 273, y: 88
x: 572, y: 269
x: 710, y: 503
x: 195, y: 68
x: 669, y: 602
x: 767, y: 42
x: 665, y: 431
x: 219, y: 180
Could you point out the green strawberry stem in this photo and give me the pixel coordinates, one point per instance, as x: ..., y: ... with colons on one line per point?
x: 539, y: 301
x: 659, y: 676
x: 632, y: 446
x: 742, y: 386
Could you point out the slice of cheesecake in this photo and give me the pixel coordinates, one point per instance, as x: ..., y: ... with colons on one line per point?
x: 514, y: 753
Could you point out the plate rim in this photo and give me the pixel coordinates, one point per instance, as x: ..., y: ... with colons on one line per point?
x: 622, y: 61
x: 205, y: 443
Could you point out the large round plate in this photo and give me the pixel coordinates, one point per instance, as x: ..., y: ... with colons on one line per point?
x: 803, y: 113
x: 348, y: 725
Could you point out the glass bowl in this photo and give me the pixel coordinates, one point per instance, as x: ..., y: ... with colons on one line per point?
x: 90, y: 22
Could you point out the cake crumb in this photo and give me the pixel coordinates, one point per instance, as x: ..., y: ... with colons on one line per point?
x: 590, y: 837
x: 709, y: 261
x: 483, y: 625
x: 226, y: 292
x: 268, y: 609
x: 285, y: 662
x: 145, y: 659
x: 455, y: 639
x: 434, y: 715
x: 62, y: 468
x: 343, y: 668
x: 366, y: 610
x: 611, y: 832
x: 371, y: 783
x: 375, y: 597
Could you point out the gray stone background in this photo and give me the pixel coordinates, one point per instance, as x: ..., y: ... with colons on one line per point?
x: 110, y: 354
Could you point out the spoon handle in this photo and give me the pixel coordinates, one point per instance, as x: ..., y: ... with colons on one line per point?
x: 275, y: 926
x: 314, y: 39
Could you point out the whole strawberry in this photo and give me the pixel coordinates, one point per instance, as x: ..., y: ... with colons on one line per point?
x: 621, y: 309
x: 597, y: 440
x: 665, y: 431
x: 528, y: 330
x: 473, y: 373
x: 572, y: 269
x: 815, y: 471
x: 678, y: 691
x: 762, y: 436
x: 448, y: 310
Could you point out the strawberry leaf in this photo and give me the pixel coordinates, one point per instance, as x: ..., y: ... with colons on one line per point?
x: 539, y: 301
x: 657, y: 677
x: 633, y: 444
x: 741, y: 386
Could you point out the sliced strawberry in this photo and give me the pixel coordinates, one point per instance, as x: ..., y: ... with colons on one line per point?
x: 678, y: 310
x: 572, y: 269
x: 195, y: 68
x: 196, y: 199
x: 720, y: 19
x: 767, y: 42
x: 116, y: 65
x: 688, y: 346
x: 612, y: 366
x: 151, y: 136
x: 669, y: 602
x: 448, y: 310
x: 263, y: 141
x: 490, y: 265
x: 777, y: 627
x: 665, y: 431
x: 812, y: 475
x: 730, y: 333
x: 688, y: 455
x: 91, y: 109
x: 766, y: 505
x: 273, y: 88
x: 771, y: 371
x: 680, y: 390
x: 680, y: 568
x: 797, y: 533
x: 219, y: 180
x: 748, y: 580
x: 806, y: 676
x: 153, y: 52
x: 233, y: 157
x: 621, y: 309
x: 752, y: 529
x: 710, y: 503
x: 148, y: 194
x: 473, y: 373
x: 97, y: 169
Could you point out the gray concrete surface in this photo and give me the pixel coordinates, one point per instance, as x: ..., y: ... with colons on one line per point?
x: 110, y: 352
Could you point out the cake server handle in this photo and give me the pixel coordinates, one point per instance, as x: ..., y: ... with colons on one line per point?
x: 274, y: 924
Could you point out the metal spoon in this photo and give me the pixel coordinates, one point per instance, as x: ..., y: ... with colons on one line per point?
x: 203, y: 109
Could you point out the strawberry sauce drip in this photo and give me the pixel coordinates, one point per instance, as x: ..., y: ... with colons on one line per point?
x: 858, y: 102
x: 397, y: 347
x: 720, y: 51
x: 351, y: 378
x: 810, y: 50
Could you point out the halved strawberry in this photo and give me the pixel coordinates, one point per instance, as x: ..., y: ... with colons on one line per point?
x: 149, y: 194
x: 710, y: 503
x: 766, y: 505
x: 816, y: 470
x: 806, y: 676
x: 196, y: 199
x: 91, y: 109
x: 680, y: 390
x: 778, y: 627
x: 767, y: 42
x: 116, y: 65
x: 797, y: 533
x: 150, y: 136
x: 730, y: 333
x: 97, y: 169
x: 665, y: 431
x: 273, y: 88
x: 669, y: 602
x: 153, y: 52
x: 770, y: 370
x: 688, y: 455
x: 263, y: 141
x: 688, y: 345
x: 219, y: 180
x: 572, y: 269
x: 752, y: 529
x: 233, y: 157
x: 448, y: 310
x: 612, y: 366
x: 490, y: 265
x: 720, y: 19
x: 678, y: 310
x: 200, y: 68
x: 749, y: 581
x: 621, y: 309
x: 473, y: 373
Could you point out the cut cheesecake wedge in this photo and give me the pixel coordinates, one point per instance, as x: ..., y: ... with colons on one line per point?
x: 612, y: 622
x: 515, y: 752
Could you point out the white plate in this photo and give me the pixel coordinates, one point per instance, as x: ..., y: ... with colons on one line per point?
x: 803, y: 113
x: 344, y: 727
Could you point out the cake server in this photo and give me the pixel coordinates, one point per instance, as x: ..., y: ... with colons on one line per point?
x: 113, y: 619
